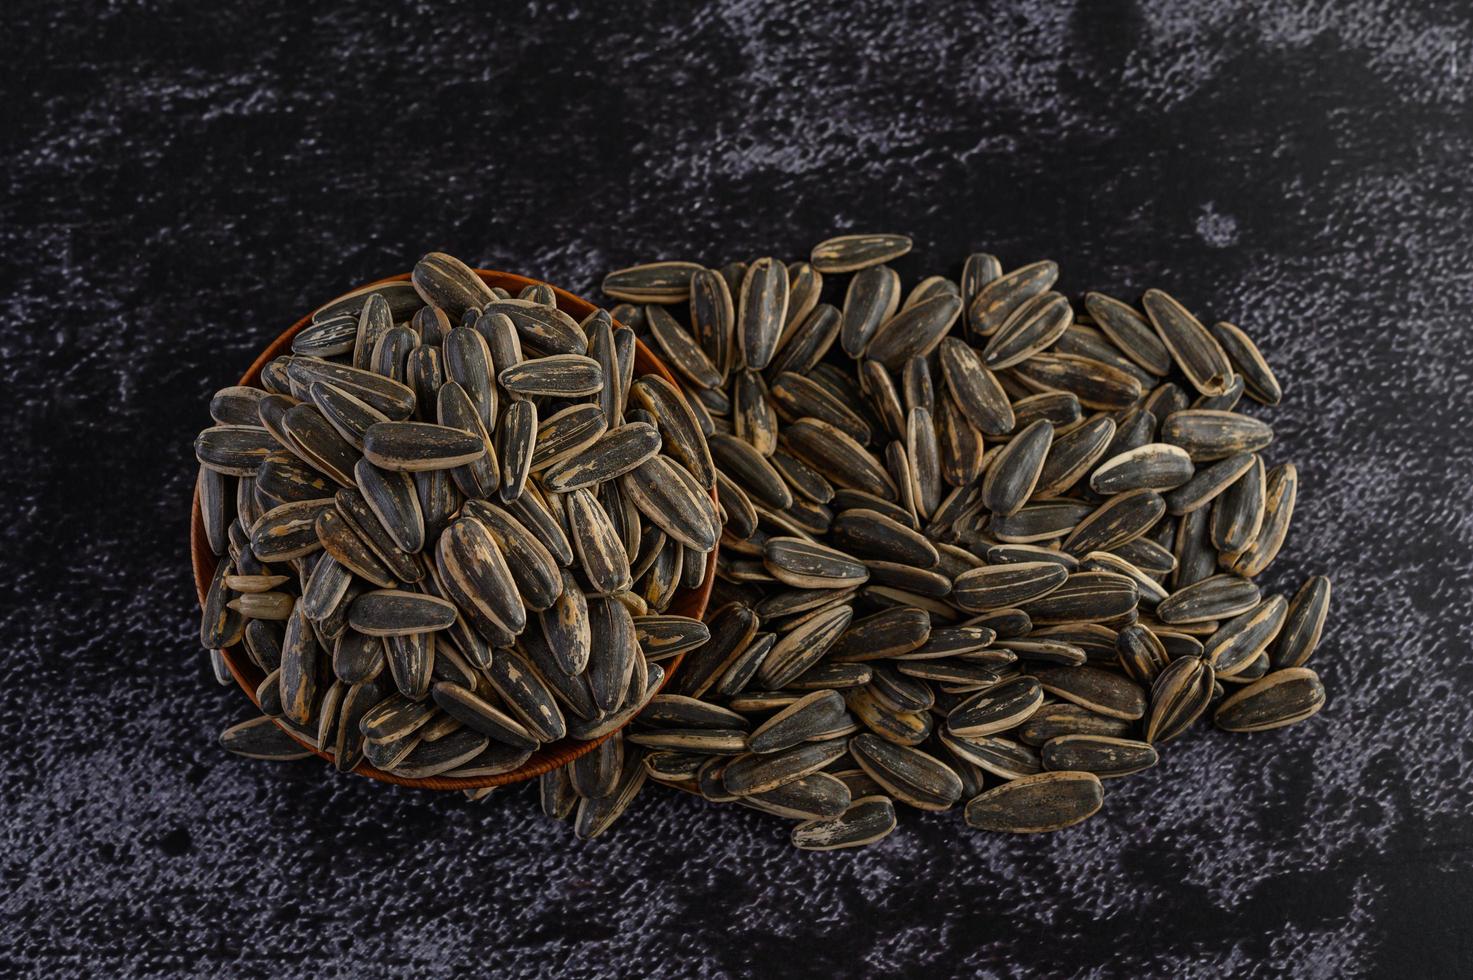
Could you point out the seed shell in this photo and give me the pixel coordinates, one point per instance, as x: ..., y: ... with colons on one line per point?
x: 1042, y: 803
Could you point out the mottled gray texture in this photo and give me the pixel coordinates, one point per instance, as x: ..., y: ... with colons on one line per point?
x: 180, y: 181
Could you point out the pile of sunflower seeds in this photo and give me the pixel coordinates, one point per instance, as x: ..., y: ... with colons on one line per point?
x: 450, y: 524
x: 977, y: 548
x: 980, y: 548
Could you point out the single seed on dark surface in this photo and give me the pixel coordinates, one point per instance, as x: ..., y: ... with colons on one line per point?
x: 850, y: 253
x: 653, y: 282
x: 1258, y: 378
x: 1102, y: 755
x: 1303, y: 624
x: 1045, y: 802
x: 1284, y: 697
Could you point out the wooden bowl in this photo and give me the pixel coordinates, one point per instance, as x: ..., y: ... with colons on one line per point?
x: 687, y: 602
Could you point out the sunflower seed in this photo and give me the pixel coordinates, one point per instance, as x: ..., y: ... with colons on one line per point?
x: 1104, y: 756
x: 1154, y: 466
x: 527, y: 697
x: 595, y: 775
x: 884, y: 719
x: 1284, y: 697
x: 1072, y: 454
x: 288, y: 531
x: 328, y: 337
x: 516, y: 442
x: 699, y: 741
x: 797, y: 397
x: 262, y: 738
x: 1130, y: 332
x: 850, y: 253
x: 915, y: 331
x: 1281, y: 490
x: 1041, y: 803
x: 350, y: 416
x: 1094, y: 383
x: 752, y: 414
x: 871, y: 299
x: 870, y: 534
x: 1033, y: 327
x: 750, y: 774
x: 1084, y: 597
x: 1002, y: 757
x: 393, y: 612
x: 476, y: 576
x: 762, y: 309
x: 669, y: 496
x: 415, y: 446
x: 1257, y: 377
x: 444, y: 281
x: 1216, y: 597
x: 467, y: 363
x: 1101, y: 691
x: 654, y: 282
x: 806, y: 340
x: 808, y: 565
x: 357, y: 657
x: 1063, y: 718
x: 615, y: 453
x: 299, y: 661
x: 600, y: 552
x: 713, y: 317
x: 554, y: 376
x: 867, y: 820
x: 891, y: 632
x: 1141, y: 653
x: 392, y: 398
x: 1208, y: 482
x: 1237, y: 513
x: 842, y: 460
x: 431, y: 323
x: 680, y: 431
x: 1120, y: 519
x: 392, y: 498
x: 566, y: 434
x: 360, y: 518
x: 555, y: 793
x: 235, y: 450
x: 907, y: 774
x: 999, y: 586
x: 979, y: 269
x: 546, y: 330
x: 1014, y: 472
x: 1235, y: 645
x: 594, y: 817
x: 997, y: 300
x: 731, y: 630
x: 1304, y: 622
x: 1194, y: 350
x: 996, y: 709
x: 1209, y: 435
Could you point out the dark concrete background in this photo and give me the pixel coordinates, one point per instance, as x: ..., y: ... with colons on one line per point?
x: 181, y: 181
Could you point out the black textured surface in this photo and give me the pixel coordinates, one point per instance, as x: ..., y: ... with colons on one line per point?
x: 181, y: 181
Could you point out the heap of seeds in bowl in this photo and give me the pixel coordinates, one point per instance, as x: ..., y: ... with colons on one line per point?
x: 449, y: 526
x: 980, y: 549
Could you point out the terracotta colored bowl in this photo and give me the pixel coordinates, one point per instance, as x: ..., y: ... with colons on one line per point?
x: 687, y: 602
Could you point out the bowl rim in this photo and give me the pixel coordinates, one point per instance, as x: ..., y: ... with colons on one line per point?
x: 553, y: 756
